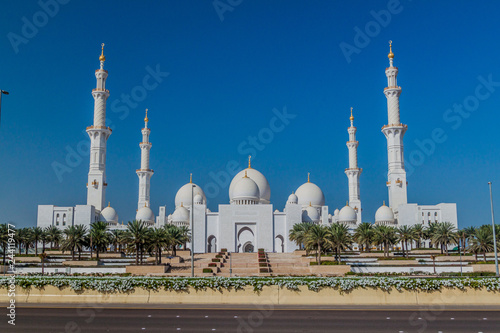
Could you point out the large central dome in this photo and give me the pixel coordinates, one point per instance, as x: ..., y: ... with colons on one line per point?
x: 258, y: 178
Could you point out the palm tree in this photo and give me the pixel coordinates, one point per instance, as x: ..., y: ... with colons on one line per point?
x: 135, y: 236
x: 44, y: 238
x: 385, y: 236
x: 158, y: 239
x: 176, y: 236
x: 316, y: 238
x: 69, y: 242
x: 298, y: 233
x: 444, y: 235
x: 54, y: 236
x: 461, y: 237
x: 419, y: 233
x: 115, y: 238
x: 429, y: 231
x: 405, y: 234
x: 364, y: 235
x: 37, y: 233
x: 80, y: 239
x: 25, y: 238
x: 339, y: 238
x: 99, y: 237
x: 74, y: 240
x: 482, y: 242
x: 470, y: 232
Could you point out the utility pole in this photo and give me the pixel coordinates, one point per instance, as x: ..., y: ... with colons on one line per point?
x: 494, y: 233
x: 2, y: 92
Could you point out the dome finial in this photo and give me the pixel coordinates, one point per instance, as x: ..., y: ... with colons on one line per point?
x: 347, y: 203
x: 245, y: 174
x: 390, y: 55
x: 145, y: 204
x: 109, y: 203
x: 190, y: 178
x: 310, y: 204
x: 383, y: 204
x: 182, y: 204
x: 249, y: 161
x: 102, y: 57
x: 308, y: 177
x: 146, y: 119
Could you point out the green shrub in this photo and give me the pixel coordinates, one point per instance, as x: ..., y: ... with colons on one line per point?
x: 223, y: 250
x: 264, y: 270
x: 212, y: 264
x: 218, y: 256
x: 215, y: 260
x: 326, y: 263
x: 207, y: 270
x: 262, y: 264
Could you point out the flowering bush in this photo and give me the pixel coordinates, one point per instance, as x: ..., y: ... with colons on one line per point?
x: 118, y: 284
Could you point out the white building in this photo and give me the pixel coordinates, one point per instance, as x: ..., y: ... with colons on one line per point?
x: 249, y: 221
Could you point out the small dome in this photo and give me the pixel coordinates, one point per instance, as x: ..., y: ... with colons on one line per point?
x: 109, y: 215
x: 198, y: 199
x: 336, y: 212
x: 145, y: 214
x: 184, y: 194
x: 384, y: 214
x: 310, y: 214
x: 258, y: 178
x: 347, y: 214
x: 310, y: 193
x: 181, y: 214
x: 246, y: 189
x: 292, y: 199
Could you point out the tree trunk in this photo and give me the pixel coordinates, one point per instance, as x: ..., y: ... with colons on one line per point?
x: 484, y: 253
x: 319, y: 254
x: 73, y: 254
x: 160, y: 255
x: 137, y: 254
x: 36, y: 248
x: 43, y: 246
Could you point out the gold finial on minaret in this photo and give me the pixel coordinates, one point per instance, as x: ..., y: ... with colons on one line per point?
x: 102, y: 57
x: 190, y: 178
x: 146, y: 119
x: 308, y: 177
x: 390, y: 55
x: 249, y: 161
x: 352, y: 117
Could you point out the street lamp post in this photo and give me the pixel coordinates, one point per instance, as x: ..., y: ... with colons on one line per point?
x: 192, y: 230
x: 494, y: 234
x: 2, y: 92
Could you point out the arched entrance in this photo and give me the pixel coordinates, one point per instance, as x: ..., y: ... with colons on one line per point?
x: 248, y: 247
x: 279, y: 244
x: 211, y: 244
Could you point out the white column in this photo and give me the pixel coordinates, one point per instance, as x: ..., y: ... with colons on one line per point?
x: 394, y: 133
x: 99, y: 134
x: 145, y: 173
x: 353, y: 172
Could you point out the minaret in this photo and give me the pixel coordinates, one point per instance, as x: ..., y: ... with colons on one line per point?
x: 99, y: 134
x: 394, y: 132
x: 144, y: 173
x: 353, y: 171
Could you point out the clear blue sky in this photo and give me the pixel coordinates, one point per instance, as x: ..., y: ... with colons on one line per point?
x: 225, y: 78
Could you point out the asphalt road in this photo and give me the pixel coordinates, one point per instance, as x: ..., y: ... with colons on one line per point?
x: 251, y: 319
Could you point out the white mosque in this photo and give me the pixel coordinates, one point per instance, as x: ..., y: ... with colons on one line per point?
x: 250, y: 220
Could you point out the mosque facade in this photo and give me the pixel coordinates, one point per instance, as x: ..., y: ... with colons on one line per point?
x: 250, y: 221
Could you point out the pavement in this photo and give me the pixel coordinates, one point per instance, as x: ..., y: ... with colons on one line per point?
x: 47, y: 318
